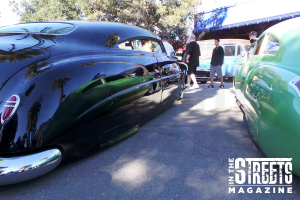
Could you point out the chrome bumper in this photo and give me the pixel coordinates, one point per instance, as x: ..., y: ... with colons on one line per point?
x: 202, y: 77
x: 23, y: 168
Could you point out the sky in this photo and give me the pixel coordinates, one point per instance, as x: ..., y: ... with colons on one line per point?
x: 7, y: 16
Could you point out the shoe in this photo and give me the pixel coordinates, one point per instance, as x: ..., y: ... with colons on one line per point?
x: 221, y: 86
x: 187, y: 85
x: 195, y: 86
x: 210, y: 86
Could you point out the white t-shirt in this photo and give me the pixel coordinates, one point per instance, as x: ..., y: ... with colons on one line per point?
x: 169, y: 48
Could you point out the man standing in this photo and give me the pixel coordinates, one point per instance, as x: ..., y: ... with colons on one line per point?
x: 192, y: 59
x: 216, y: 63
x: 169, y: 48
x: 253, y: 40
x: 252, y: 37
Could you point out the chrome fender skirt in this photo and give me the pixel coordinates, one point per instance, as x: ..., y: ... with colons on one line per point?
x: 26, y: 167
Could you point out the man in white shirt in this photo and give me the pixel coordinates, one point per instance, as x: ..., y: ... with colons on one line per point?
x: 169, y: 48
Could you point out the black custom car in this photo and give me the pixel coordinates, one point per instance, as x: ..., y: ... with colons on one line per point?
x: 68, y: 88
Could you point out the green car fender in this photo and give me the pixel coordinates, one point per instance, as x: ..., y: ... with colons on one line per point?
x: 272, y: 110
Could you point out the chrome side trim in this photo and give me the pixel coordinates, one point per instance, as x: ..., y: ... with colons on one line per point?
x: 23, y: 168
x: 240, y: 105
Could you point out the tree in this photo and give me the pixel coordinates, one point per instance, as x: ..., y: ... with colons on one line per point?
x: 59, y: 84
x: 164, y: 17
x: 32, y: 115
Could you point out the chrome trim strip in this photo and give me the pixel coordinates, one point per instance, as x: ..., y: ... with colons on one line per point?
x: 127, y: 90
x: 23, y: 168
x: 11, y: 101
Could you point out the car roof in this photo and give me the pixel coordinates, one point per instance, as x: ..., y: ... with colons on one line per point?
x: 287, y: 33
x: 231, y: 44
x: 286, y: 30
x: 122, y: 30
x: 82, y: 28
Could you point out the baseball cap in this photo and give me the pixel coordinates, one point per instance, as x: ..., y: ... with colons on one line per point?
x: 252, y: 33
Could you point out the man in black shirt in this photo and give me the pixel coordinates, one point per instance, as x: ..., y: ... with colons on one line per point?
x: 217, y: 60
x: 192, y: 59
x: 253, y: 40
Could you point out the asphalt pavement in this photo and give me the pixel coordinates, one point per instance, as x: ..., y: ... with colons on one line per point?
x: 181, y: 154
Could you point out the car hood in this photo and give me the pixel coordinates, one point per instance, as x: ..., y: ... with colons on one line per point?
x: 15, y: 57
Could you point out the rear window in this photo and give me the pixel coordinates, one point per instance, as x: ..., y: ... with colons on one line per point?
x: 272, y: 45
x: 40, y: 28
x: 147, y: 45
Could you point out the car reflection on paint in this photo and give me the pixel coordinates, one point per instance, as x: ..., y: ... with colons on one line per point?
x: 172, y: 69
x: 70, y: 88
x: 268, y: 92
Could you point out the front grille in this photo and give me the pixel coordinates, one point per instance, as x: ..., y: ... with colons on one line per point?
x: 202, y: 73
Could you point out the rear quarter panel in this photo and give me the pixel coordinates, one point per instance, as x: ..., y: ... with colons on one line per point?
x: 53, y: 101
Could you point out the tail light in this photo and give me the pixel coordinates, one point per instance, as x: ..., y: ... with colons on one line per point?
x: 10, y: 108
x: 295, y: 83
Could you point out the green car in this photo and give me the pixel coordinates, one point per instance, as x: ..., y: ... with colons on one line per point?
x: 268, y: 92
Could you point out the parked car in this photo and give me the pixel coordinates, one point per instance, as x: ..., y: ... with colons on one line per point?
x: 235, y: 54
x: 69, y: 88
x: 203, y: 71
x: 268, y: 92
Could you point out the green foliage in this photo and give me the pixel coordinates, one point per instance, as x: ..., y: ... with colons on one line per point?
x: 112, y: 40
x: 47, y: 10
x: 164, y: 17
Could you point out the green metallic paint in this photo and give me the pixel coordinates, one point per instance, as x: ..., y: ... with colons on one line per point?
x: 271, y: 105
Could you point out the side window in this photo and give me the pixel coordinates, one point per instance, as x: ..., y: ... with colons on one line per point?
x: 229, y: 51
x: 126, y: 45
x: 272, y: 45
x: 146, y: 45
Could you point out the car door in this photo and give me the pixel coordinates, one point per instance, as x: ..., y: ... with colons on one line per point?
x: 171, y: 78
x: 252, y: 89
x: 144, y: 50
